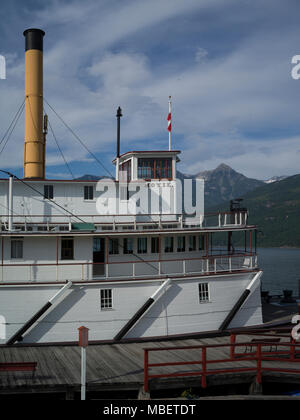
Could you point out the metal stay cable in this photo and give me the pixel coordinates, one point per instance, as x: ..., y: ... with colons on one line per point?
x: 37, y: 191
x: 60, y: 150
x: 78, y: 138
x: 15, y: 116
x: 12, y: 126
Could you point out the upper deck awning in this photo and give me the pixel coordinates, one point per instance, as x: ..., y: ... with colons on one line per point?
x: 86, y: 227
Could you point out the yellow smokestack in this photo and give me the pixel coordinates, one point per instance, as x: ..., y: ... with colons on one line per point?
x: 34, y: 153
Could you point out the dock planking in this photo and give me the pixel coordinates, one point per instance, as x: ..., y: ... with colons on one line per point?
x: 114, y: 367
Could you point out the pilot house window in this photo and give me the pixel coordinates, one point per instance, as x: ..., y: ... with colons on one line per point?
x: 159, y: 168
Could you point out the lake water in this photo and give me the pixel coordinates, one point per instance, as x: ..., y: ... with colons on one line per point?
x: 281, y: 267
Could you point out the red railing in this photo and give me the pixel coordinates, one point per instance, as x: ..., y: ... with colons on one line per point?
x: 258, y: 356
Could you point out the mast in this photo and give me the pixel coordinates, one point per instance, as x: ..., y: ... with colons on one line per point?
x: 119, y: 115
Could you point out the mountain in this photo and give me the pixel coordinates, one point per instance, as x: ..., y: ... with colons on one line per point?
x: 275, y: 209
x: 224, y: 184
x: 91, y: 178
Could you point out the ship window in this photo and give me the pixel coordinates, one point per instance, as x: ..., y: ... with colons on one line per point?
x: 169, y: 244
x: 106, y: 299
x: 124, y: 193
x: 16, y: 248
x: 48, y: 192
x: 88, y: 192
x: 42, y: 228
x: 181, y: 244
x: 67, y: 249
x: 155, y: 168
x: 125, y: 171
x: 203, y: 292
x: 142, y: 246
x: 155, y: 245
x: 128, y: 245
x: 201, y: 242
x: 114, y: 246
x: 192, y: 243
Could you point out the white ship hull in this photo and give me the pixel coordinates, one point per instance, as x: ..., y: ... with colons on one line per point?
x: 177, y: 311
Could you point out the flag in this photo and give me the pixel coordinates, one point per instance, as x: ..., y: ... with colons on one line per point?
x: 169, y: 122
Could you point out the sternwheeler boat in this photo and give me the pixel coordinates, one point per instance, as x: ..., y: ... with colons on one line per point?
x: 120, y: 256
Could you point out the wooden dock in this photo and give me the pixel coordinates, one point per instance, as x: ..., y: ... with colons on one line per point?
x: 119, y: 367
x: 114, y: 368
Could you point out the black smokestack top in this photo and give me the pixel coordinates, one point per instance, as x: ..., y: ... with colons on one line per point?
x: 33, y: 39
x: 119, y: 115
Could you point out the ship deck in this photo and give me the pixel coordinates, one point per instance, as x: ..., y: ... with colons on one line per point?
x: 117, y: 368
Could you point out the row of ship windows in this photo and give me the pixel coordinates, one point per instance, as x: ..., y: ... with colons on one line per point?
x: 88, y: 192
x: 144, y: 245
x: 106, y: 296
x: 193, y: 243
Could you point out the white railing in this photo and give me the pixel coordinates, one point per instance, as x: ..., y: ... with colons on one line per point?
x: 53, y: 223
x: 43, y: 273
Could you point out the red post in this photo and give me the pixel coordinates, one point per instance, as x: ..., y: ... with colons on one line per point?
x: 203, y: 367
x: 258, y: 359
x: 146, y: 359
x: 83, y: 336
x: 83, y: 343
x: 232, y: 347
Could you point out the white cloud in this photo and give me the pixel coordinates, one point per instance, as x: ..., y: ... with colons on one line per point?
x: 102, y: 54
x: 201, y: 55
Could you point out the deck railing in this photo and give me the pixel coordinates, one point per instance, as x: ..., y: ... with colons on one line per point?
x: 52, y: 223
x: 143, y: 269
x: 208, y: 365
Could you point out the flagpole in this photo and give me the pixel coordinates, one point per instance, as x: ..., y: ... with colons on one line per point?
x: 169, y: 125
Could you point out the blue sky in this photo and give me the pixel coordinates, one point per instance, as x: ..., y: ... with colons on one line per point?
x: 226, y: 63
